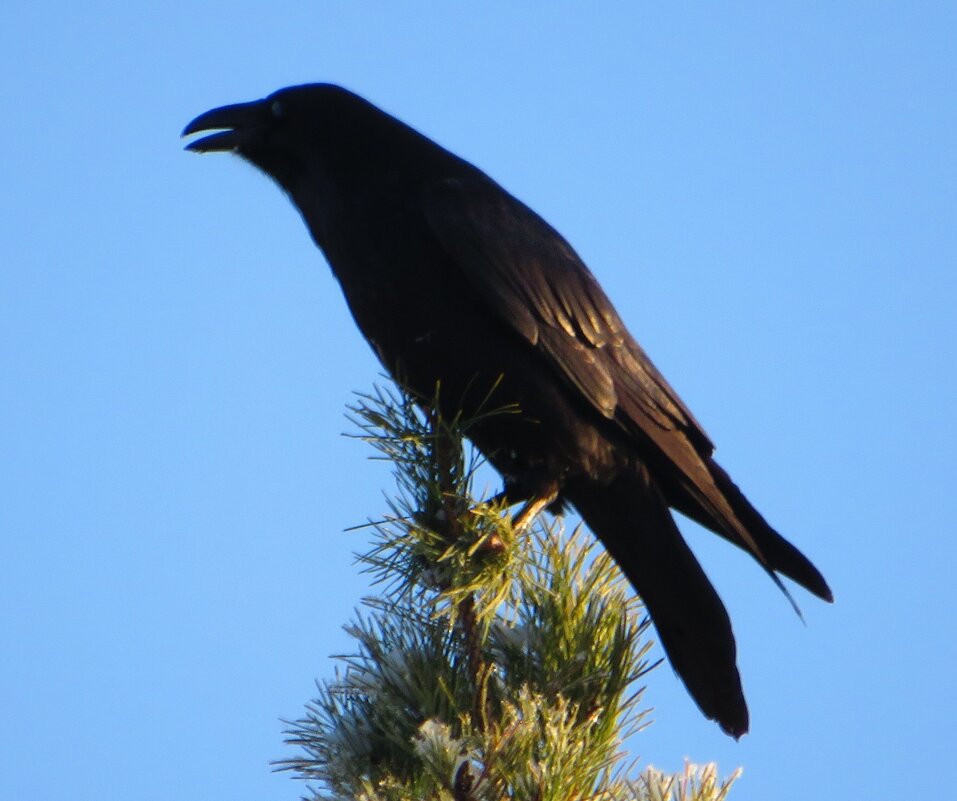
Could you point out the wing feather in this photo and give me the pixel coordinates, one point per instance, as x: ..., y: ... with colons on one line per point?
x: 532, y: 278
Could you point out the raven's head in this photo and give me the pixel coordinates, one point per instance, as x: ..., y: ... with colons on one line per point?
x: 282, y: 134
x: 302, y: 134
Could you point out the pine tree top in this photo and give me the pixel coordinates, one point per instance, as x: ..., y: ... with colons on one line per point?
x: 491, y: 663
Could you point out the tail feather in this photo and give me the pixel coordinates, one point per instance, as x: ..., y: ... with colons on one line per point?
x: 631, y: 518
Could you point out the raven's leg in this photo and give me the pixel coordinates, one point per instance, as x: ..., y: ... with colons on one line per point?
x: 541, y: 500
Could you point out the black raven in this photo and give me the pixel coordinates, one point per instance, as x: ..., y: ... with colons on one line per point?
x: 456, y: 283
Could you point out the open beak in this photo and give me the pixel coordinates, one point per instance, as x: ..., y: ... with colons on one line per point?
x: 235, y: 125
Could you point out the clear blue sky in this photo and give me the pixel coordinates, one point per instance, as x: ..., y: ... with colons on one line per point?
x: 768, y: 191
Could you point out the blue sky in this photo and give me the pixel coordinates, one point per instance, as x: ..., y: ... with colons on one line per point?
x: 767, y: 191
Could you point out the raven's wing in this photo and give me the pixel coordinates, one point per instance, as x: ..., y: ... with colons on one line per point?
x: 534, y: 281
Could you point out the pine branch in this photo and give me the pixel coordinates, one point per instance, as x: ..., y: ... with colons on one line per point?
x: 493, y: 664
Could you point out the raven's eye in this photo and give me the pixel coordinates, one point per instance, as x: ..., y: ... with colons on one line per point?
x: 276, y: 108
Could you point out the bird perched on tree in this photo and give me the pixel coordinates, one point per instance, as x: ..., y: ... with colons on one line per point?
x: 457, y: 284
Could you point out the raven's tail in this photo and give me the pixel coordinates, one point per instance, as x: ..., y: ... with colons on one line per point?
x: 631, y: 518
